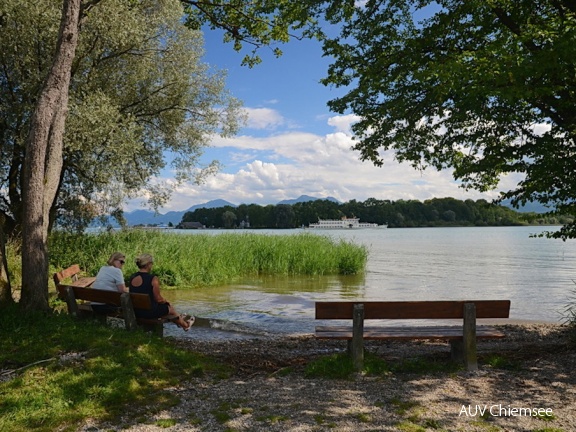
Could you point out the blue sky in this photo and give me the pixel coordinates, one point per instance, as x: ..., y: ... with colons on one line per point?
x: 293, y: 145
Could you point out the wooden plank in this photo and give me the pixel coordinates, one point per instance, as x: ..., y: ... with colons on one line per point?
x: 139, y: 301
x: 407, y: 333
x: 413, y: 309
x: 66, y: 273
x: 70, y: 271
x: 83, y: 282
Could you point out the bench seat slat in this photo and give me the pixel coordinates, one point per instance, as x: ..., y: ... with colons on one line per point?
x: 139, y: 301
x: 406, y: 333
x: 441, y: 309
x: 83, y: 282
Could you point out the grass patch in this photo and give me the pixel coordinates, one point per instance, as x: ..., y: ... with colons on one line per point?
x: 166, y: 423
x: 340, y: 366
x: 335, y: 366
x: 217, y: 258
x: 408, y: 426
x: 403, y: 407
x: 500, y: 362
x: 545, y: 417
x: 363, y: 417
x: 66, y: 370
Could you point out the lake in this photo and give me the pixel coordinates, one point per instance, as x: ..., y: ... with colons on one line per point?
x: 536, y: 274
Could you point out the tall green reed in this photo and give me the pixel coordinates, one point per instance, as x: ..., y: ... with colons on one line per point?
x: 205, y: 259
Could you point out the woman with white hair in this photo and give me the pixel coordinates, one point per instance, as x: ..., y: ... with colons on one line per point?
x: 143, y: 282
x: 110, y: 278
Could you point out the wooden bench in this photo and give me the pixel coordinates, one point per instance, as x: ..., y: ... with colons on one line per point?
x: 462, y: 338
x: 125, y: 303
x: 73, y: 273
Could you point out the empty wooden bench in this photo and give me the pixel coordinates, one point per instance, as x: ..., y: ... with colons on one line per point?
x: 462, y: 337
x: 125, y: 303
x: 73, y: 273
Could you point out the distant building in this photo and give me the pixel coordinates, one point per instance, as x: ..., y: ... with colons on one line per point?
x: 244, y: 224
x: 191, y: 225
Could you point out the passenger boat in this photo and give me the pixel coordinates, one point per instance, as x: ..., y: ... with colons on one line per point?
x: 344, y: 223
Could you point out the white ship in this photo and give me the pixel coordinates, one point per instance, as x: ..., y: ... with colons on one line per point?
x: 344, y: 223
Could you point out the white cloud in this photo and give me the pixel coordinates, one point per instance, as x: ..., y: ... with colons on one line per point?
x: 291, y: 164
x: 264, y: 118
x: 343, y: 123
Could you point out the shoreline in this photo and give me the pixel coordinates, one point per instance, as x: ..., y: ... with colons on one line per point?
x: 267, y: 389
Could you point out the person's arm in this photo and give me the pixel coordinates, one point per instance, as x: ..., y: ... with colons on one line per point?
x: 156, y: 290
x: 120, y: 284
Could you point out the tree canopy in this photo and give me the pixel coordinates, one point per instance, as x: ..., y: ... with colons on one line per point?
x: 141, y: 100
x: 485, y: 87
x: 437, y: 212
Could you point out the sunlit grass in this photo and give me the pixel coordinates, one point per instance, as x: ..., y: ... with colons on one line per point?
x: 63, y: 371
x: 204, y: 259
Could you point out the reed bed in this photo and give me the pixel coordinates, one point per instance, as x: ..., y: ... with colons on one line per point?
x: 206, y: 259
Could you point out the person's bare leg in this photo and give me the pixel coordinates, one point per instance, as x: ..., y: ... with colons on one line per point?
x: 180, y: 321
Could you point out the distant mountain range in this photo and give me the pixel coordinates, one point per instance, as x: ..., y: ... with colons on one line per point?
x: 529, y: 207
x: 147, y: 217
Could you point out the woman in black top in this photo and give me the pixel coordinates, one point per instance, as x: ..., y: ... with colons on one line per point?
x: 143, y: 282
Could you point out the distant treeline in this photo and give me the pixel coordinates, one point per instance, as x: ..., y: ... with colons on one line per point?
x: 397, y: 214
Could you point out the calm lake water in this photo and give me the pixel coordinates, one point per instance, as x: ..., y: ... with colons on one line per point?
x: 536, y: 274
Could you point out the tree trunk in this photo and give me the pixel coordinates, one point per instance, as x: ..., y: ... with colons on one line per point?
x: 5, y: 288
x: 43, y: 162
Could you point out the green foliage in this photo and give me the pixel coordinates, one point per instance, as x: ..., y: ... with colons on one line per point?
x: 340, y: 366
x: 483, y: 87
x: 501, y: 362
x: 256, y: 24
x: 335, y: 366
x: 200, y: 260
x: 67, y: 370
x: 141, y: 100
x: 397, y: 214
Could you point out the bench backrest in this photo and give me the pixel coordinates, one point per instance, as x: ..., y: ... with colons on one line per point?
x: 70, y: 272
x: 442, y: 309
x: 73, y: 273
x: 139, y: 301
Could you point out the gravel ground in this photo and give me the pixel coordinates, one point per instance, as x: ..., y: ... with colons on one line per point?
x: 530, y: 370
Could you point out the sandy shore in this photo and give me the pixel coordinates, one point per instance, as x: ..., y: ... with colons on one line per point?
x: 529, y: 372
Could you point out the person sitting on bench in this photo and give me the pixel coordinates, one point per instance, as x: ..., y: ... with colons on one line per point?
x: 143, y: 282
x: 110, y: 278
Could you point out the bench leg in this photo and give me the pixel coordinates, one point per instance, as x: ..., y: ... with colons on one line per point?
x: 469, y: 337
x: 71, y: 302
x: 356, y: 345
x: 128, y: 312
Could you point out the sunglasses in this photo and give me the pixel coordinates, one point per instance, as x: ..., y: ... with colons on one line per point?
x: 121, y: 261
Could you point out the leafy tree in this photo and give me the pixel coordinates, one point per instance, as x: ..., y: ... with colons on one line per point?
x: 138, y: 89
x: 485, y: 87
x: 43, y: 158
x: 284, y: 216
x: 228, y: 219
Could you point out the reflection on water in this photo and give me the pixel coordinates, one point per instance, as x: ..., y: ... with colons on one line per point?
x: 263, y: 306
x: 536, y: 274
